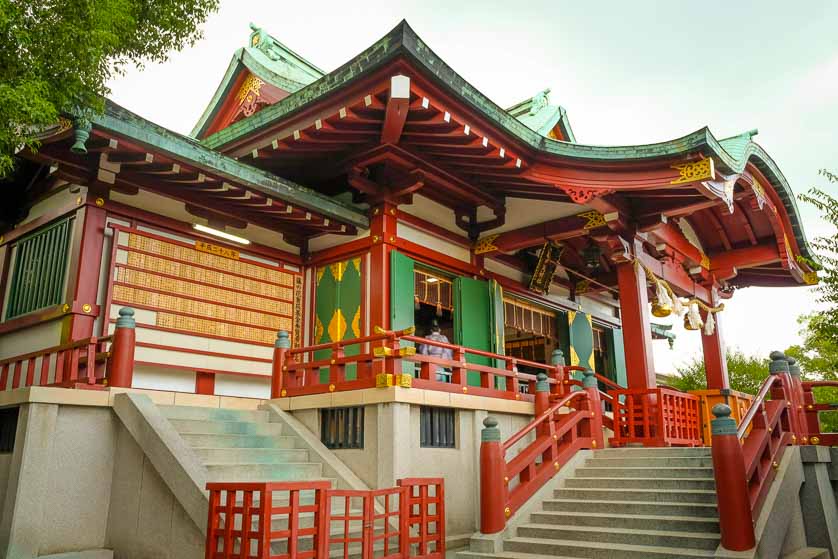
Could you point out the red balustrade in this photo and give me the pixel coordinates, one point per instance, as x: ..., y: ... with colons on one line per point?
x: 571, y: 423
x: 78, y: 362
x: 746, y: 457
x: 302, y: 520
x: 655, y: 417
x: 390, y: 358
x: 811, y: 409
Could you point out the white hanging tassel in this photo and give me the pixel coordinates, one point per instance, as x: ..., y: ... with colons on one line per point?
x: 694, y: 316
x: 709, y: 325
x: 677, y: 306
x: 662, y: 294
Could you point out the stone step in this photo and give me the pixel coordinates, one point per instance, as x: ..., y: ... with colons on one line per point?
x: 809, y: 553
x: 646, y: 495
x: 641, y: 483
x: 628, y: 521
x: 652, y: 462
x: 230, y: 455
x: 238, y: 441
x: 591, y: 471
x: 655, y: 538
x: 213, y: 414
x: 209, y: 427
x: 660, y: 452
x: 289, y: 471
x: 599, y: 550
x: 657, y: 508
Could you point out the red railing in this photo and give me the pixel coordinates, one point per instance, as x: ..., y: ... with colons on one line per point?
x: 390, y: 358
x: 812, y: 408
x: 655, y: 417
x: 302, y: 520
x: 81, y: 362
x: 746, y: 457
x: 571, y: 423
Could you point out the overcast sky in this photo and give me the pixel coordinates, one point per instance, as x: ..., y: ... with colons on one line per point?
x: 627, y: 73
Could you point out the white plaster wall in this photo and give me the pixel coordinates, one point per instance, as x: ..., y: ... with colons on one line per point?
x: 53, y: 203
x: 432, y: 242
x: 160, y: 378
x: 323, y: 242
x: 145, y: 520
x: 36, y: 337
x: 431, y: 211
x: 248, y: 387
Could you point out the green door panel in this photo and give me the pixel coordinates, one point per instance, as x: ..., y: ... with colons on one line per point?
x: 581, y: 335
x: 337, y: 309
x: 472, y: 320
x: 401, y: 297
x: 619, y: 354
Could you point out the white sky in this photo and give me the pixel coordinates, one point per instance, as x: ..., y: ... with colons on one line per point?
x: 627, y: 73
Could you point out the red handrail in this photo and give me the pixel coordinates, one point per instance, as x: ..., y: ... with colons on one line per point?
x: 759, y: 401
x: 811, y: 409
x: 547, y: 415
x: 63, y: 363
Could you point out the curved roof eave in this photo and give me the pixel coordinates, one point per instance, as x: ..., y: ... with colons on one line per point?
x: 402, y: 40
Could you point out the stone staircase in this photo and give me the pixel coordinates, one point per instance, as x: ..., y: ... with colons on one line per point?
x: 649, y: 503
x: 242, y: 445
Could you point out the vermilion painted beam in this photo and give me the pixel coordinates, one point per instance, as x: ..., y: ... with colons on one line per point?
x: 637, y: 330
x: 532, y: 235
x: 86, y: 282
x: 383, y: 233
x: 749, y: 257
x: 670, y: 235
x: 395, y: 114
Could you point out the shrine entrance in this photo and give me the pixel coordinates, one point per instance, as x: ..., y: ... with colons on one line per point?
x: 531, y: 333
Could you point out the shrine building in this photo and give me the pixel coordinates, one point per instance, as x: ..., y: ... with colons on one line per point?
x: 285, y: 264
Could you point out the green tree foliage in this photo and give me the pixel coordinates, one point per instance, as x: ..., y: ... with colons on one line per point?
x: 827, y: 249
x: 818, y: 358
x: 746, y: 373
x: 58, y: 56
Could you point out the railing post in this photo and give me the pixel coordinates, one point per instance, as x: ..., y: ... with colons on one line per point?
x: 542, y: 401
x: 735, y: 519
x: 779, y: 365
x: 589, y: 385
x: 492, y: 490
x: 281, y: 347
x: 798, y: 411
x: 558, y: 362
x: 122, y: 350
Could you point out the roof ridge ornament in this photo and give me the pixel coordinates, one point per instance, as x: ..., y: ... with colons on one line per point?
x: 539, y: 101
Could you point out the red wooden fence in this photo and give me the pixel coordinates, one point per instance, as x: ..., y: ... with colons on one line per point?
x: 381, y: 359
x: 656, y: 417
x: 80, y: 362
x: 812, y: 409
x: 309, y: 519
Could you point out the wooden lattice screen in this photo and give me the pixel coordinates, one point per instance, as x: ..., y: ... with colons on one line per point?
x: 432, y: 289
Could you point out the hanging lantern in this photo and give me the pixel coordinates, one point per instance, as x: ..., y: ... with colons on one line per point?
x: 591, y: 255
x: 439, y: 308
x: 416, y: 304
x: 660, y: 309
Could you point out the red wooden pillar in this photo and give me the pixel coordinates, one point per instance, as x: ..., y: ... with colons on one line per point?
x: 492, y: 487
x: 281, y: 347
x: 735, y: 519
x: 85, y: 281
x: 715, y: 363
x: 383, y: 233
x: 637, y: 330
x: 121, y: 370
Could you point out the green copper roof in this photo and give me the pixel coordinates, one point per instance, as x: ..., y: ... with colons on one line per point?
x: 187, y: 150
x: 539, y: 115
x: 403, y: 42
x: 267, y: 59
